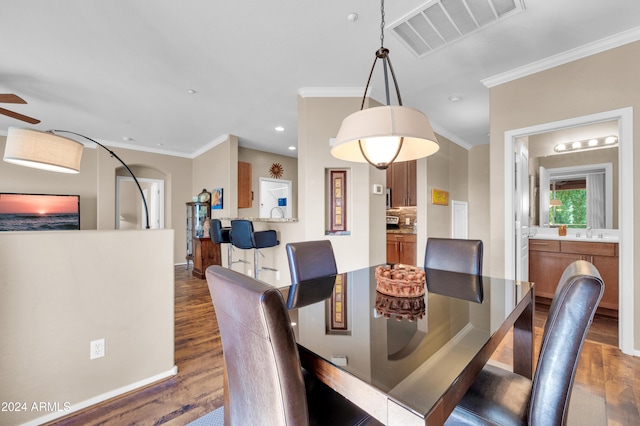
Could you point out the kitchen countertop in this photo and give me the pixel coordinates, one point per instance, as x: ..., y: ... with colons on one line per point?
x: 401, y: 231
x: 264, y: 219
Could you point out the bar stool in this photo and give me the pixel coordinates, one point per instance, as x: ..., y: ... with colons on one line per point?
x: 244, y: 237
x: 220, y: 235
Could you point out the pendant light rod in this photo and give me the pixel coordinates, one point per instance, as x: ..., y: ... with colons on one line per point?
x: 114, y: 155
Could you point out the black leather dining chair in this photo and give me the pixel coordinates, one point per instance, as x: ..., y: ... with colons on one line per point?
x: 313, y: 269
x: 244, y: 237
x: 500, y: 397
x: 266, y: 384
x: 311, y: 259
x: 456, y: 255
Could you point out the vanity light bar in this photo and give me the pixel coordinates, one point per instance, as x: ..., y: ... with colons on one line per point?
x: 586, y: 144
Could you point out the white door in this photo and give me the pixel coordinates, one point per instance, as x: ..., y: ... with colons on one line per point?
x: 459, y: 219
x: 521, y: 208
x: 544, y: 186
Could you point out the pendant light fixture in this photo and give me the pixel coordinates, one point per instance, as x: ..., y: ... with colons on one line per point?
x: 384, y: 134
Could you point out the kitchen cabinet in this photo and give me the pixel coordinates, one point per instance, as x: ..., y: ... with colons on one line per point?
x: 401, y: 179
x: 401, y: 248
x: 200, y: 249
x: 245, y: 194
x: 549, y: 258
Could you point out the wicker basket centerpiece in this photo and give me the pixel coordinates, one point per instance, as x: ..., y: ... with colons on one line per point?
x: 400, y: 280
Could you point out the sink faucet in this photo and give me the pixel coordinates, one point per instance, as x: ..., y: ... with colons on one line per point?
x: 589, y: 235
x: 276, y: 208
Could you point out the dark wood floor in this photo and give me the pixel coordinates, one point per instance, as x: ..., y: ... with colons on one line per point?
x: 197, y: 388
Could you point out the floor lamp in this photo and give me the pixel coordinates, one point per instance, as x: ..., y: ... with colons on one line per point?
x: 48, y: 151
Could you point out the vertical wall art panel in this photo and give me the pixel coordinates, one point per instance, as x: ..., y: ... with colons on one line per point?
x: 338, y: 201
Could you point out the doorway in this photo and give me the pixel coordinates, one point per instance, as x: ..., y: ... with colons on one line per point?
x: 275, y: 198
x: 624, y: 117
x: 130, y: 212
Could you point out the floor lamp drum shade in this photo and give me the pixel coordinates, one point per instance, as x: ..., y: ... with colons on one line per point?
x: 379, y: 130
x: 41, y: 150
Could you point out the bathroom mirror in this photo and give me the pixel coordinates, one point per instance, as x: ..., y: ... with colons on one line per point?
x: 588, y: 177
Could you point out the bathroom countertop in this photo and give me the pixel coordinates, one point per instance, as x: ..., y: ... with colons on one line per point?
x: 572, y: 237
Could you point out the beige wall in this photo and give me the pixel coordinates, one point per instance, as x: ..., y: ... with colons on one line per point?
x: 319, y: 120
x: 116, y: 285
x: 447, y: 170
x: 479, y: 206
x: 603, y: 82
x: 218, y: 168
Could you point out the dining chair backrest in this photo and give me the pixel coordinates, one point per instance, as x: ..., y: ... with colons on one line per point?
x: 264, y: 376
x: 456, y: 255
x: 311, y: 259
x: 570, y: 315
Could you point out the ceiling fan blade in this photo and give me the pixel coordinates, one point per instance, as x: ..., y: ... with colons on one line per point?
x: 10, y: 98
x: 18, y: 116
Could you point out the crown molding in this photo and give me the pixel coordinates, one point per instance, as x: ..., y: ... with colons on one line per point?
x: 565, y: 57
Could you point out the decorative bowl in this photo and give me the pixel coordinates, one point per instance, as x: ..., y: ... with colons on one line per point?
x: 400, y: 280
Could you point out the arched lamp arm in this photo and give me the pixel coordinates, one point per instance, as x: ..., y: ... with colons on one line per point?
x: 113, y: 154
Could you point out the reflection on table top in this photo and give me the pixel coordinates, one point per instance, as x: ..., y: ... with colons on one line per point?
x: 413, y: 362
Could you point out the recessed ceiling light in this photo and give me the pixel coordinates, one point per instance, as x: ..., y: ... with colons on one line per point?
x: 352, y: 17
x: 191, y: 91
x: 455, y: 99
x: 292, y: 148
x: 279, y: 129
x: 127, y: 139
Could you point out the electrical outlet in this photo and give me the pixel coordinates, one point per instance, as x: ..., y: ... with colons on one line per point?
x: 407, y: 221
x: 96, y: 349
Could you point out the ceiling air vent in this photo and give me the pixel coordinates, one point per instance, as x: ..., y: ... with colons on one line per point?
x: 438, y: 23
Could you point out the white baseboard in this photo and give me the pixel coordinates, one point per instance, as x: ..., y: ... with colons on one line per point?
x: 103, y: 397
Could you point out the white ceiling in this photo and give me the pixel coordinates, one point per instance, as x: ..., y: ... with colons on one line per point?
x: 122, y: 68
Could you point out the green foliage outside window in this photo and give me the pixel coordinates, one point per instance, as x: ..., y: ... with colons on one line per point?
x: 573, y: 211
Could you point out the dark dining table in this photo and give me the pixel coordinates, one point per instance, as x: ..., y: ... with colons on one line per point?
x: 409, y: 360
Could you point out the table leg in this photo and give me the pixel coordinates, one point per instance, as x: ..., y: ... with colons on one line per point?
x: 523, y: 340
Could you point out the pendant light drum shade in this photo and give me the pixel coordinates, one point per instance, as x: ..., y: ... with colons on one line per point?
x: 379, y: 129
x: 41, y: 150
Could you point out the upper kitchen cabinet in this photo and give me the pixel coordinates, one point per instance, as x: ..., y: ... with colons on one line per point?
x: 245, y: 193
x: 401, y: 179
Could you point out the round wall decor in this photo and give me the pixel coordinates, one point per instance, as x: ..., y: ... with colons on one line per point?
x: 276, y: 170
